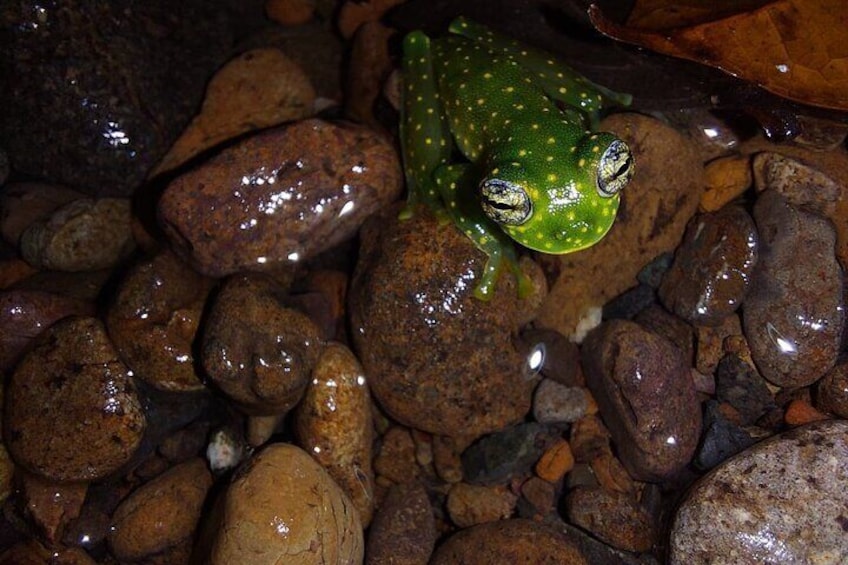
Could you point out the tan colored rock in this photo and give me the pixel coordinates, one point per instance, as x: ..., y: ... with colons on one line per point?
x: 283, y: 507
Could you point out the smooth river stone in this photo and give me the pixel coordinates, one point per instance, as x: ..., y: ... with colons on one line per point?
x: 782, y: 501
x: 794, y: 312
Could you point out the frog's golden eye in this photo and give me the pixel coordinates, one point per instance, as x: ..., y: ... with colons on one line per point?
x: 614, y: 169
x: 505, y: 202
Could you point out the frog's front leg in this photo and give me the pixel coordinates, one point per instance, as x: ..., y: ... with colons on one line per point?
x: 558, y: 80
x: 457, y: 186
x: 424, y: 134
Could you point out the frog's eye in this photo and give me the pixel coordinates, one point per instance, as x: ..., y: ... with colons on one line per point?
x: 614, y: 169
x: 505, y: 202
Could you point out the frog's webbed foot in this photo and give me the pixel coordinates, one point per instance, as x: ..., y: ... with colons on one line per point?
x: 558, y: 80
x: 424, y: 134
x: 456, y: 185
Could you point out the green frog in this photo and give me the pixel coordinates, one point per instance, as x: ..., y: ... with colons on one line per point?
x: 531, y: 170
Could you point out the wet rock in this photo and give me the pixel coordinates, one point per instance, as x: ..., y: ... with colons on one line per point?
x: 709, y: 343
x: 646, y: 395
x: 832, y: 391
x: 469, y: 505
x: 447, y: 457
x: 256, y: 350
x: 50, y: 506
x: 24, y: 314
x: 727, y: 179
x: 333, y: 423
x: 92, y: 105
x: 655, y: 208
x: 738, y: 384
x: 23, y: 203
x: 395, y: 460
x: 500, y: 456
x: 84, y: 235
x: 757, y: 506
x: 656, y: 319
x: 613, y: 517
x: 33, y: 553
x: 562, y: 357
x: 538, y: 499
x: 153, y: 320
x: 794, y: 313
x: 257, y: 89
x: 279, y: 197
x: 508, y: 541
x: 160, y: 517
x: 85, y: 285
x: 800, y: 183
x: 462, y: 373
x: 555, y: 462
x: 554, y: 403
x: 712, y: 269
x: 71, y: 410
x: 403, y: 531
x: 283, y: 490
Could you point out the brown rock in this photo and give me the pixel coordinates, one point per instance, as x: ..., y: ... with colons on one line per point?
x: 794, y: 313
x: 538, y: 498
x: 289, y: 12
x: 370, y: 63
x: 832, y: 391
x: 395, y: 460
x: 259, y: 88
x: 24, y: 314
x: 712, y: 268
x: 279, y: 197
x: 655, y: 208
x: 462, y: 374
x: 50, y: 506
x: 646, y: 395
x: 469, y: 505
x: 508, y: 541
x: 153, y: 321
x: 161, y: 514
x: 72, y: 413
x: 403, y: 531
x: 256, y: 350
x: 726, y: 179
x: 83, y: 235
x: 33, y: 553
x: 23, y: 203
x: 333, y: 424
x: 613, y: 517
x: 282, y: 507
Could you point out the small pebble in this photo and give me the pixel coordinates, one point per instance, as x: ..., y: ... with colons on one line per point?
x: 554, y: 403
x: 727, y: 179
x: 511, y: 452
x: 50, y: 506
x: 832, y: 391
x: 555, y: 462
x: 740, y: 385
x: 403, y: 531
x: 469, y: 505
x: 613, y: 517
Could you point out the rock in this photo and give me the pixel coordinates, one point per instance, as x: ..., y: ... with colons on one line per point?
x: 403, y: 531
x: 802, y: 184
x: 712, y: 268
x: 333, y: 424
x: 508, y: 541
x: 257, y: 89
x: 50, y: 506
x: 282, y: 507
x: 33, y: 553
x: 709, y: 343
x: 561, y: 361
x: 290, y: 12
x: 506, y: 454
x: 727, y: 178
x: 738, y: 384
x: 554, y: 403
x: 92, y: 104
x: 469, y: 505
x: 24, y: 314
x: 794, y: 313
x: 72, y: 413
x: 655, y: 208
x: 22, y: 203
x: 84, y: 235
x: 279, y: 197
x: 538, y: 499
x: 161, y: 516
x: 153, y: 320
x: 256, y: 350
x: 612, y: 517
x: 395, y: 460
x: 369, y: 64
x: 646, y: 395
x: 463, y: 374
x: 721, y: 438
x: 781, y: 501
x: 832, y: 391
x: 657, y: 319
x: 555, y: 462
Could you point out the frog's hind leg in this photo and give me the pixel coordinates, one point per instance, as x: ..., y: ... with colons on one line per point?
x: 456, y: 185
x: 424, y: 134
x: 559, y: 81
